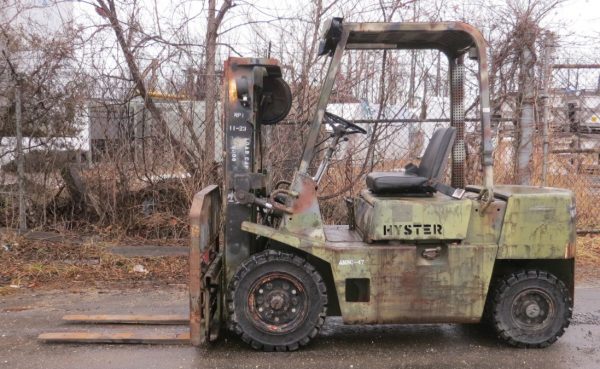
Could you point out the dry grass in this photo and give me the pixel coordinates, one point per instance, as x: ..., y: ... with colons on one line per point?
x: 587, y: 269
x: 43, y: 264
x: 29, y: 264
x: 588, y: 251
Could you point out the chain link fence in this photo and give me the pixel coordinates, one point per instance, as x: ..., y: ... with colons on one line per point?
x: 400, y: 98
x: 119, y: 169
x: 574, y: 120
x: 400, y: 128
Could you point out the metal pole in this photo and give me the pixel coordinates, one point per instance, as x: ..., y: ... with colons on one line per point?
x: 576, y: 66
x: 315, y: 127
x: 526, y: 121
x: 20, y: 158
x: 545, y: 116
x: 544, y: 100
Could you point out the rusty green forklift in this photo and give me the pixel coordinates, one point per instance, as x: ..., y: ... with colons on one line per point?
x: 415, y: 249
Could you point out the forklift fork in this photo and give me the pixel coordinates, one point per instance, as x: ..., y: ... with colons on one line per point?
x: 205, y: 290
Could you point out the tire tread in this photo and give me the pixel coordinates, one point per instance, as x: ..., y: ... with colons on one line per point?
x: 255, y: 261
x: 514, y: 278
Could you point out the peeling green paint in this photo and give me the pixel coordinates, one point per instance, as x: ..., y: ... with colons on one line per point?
x: 412, y: 218
x: 404, y: 285
x: 539, y: 223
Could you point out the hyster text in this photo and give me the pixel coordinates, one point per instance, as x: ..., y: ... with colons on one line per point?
x: 412, y: 229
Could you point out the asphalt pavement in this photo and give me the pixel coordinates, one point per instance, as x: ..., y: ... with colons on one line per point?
x: 26, y: 314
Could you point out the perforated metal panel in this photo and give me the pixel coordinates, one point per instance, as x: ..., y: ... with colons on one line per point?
x: 457, y: 120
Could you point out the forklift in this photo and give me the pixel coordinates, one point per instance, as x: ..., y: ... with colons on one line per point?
x: 415, y: 249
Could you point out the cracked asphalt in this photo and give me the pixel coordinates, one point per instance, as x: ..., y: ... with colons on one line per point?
x: 26, y: 314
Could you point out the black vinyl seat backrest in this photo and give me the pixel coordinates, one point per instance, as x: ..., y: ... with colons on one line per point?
x: 426, y: 177
x: 434, y: 160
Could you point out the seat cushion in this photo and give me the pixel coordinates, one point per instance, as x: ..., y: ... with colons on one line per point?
x: 394, y: 182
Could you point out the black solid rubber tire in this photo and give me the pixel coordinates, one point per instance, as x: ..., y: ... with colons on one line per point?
x: 505, y: 293
x: 259, y: 265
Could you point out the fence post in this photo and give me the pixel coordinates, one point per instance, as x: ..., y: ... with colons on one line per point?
x: 544, y: 100
x: 20, y: 158
x: 19, y: 146
x: 526, y: 119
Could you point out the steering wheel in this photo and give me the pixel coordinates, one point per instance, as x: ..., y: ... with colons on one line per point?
x: 349, y: 128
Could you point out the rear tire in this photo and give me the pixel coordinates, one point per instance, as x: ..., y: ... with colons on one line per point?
x: 531, y: 309
x: 276, y: 301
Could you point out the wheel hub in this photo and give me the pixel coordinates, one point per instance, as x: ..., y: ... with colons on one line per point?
x: 277, y: 303
x: 532, y: 309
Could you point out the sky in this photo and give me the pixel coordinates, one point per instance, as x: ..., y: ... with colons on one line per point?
x: 577, y: 22
x: 581, y: 19
x: 582, y: 16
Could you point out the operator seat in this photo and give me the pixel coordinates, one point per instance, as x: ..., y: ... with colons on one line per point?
x: 420, y: 179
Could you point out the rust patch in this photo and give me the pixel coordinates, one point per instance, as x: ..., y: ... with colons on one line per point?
x: 307, y: 195
x: 260, y: 317
x: 205, y: 218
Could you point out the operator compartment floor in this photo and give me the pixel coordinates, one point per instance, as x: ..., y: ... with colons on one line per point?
x: 341, y: 233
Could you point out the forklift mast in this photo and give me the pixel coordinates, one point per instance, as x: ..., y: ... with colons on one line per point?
x: 254, y: 95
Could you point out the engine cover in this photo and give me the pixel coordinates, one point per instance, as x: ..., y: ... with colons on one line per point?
x: 438, y: 217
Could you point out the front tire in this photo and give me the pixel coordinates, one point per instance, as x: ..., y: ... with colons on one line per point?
x: 276, y: 301
x: 531, y: 309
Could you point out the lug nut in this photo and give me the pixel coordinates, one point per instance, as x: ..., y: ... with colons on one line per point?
x: 260, y: 291
x: 293, y: 292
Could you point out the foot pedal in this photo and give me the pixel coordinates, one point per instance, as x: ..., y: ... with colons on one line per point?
x: 455, y: 193
x: 458, y: 193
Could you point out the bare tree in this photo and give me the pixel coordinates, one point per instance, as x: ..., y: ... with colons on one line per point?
x: 188, y: 158
x: 214, y: 20
x: 151, y: 69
